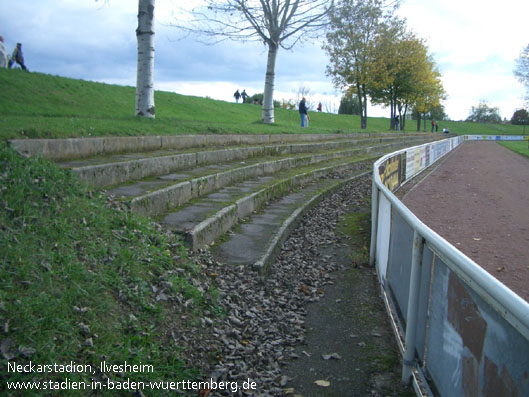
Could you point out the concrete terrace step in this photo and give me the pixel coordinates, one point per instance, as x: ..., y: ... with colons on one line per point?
x: 77, y: 148
x: 204, y: 185
x: 112, y: 170
x: 258, y: 240
x: 207, y: 219
x: 165, y: 195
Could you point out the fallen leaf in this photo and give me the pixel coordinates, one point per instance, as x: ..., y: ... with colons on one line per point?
x: 7, y: 347
x: 26, y: 351
x: 323, y: 383
x: 335, y: 356
x: 501, y: 268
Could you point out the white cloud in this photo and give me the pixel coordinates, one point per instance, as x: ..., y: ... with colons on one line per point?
x: 475, y: 43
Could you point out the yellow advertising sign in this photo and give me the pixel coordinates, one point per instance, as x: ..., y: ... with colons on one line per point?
x: 390, y: 173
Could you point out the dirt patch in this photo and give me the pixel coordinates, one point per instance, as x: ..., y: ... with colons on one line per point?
x: 477, y: 199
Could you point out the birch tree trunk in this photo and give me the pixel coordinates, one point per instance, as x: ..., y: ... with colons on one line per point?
x: 268, y: 97
x: 145, y: 69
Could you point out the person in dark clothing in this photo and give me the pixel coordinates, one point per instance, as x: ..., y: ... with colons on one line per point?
x: 18, y: 57
x: 244, y: 95
x: 303, y: 112
x: 237, y: 95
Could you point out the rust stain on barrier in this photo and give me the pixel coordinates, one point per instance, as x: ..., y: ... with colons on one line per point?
x: 463, y: 314
x: 470, y: 377
x: 497, y: 384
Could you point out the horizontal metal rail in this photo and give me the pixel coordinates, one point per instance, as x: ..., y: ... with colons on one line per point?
x: 424, y: 264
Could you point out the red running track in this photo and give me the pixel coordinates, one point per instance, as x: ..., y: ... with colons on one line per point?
x: 478, y: 200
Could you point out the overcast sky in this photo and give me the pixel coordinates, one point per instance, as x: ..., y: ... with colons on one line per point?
x: 474, y: 42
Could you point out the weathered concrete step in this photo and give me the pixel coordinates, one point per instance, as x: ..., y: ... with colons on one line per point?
x: 247, y: 244
x: 148, y: 185
x: 257, y: 241
x: 162, y: 200
x: 209, y: 229
x: 114, y: 173
x: 187, y: 217
x: 76, y: 148
x: 300, y: 147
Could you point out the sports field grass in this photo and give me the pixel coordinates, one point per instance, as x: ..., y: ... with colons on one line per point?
x: 37, y: 105
x: 521, y: 147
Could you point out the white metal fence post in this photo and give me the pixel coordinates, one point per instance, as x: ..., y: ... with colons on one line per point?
x: 413, y: 303
x: 374, y: 220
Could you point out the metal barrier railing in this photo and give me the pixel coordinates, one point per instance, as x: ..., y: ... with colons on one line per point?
x: 461, y: 332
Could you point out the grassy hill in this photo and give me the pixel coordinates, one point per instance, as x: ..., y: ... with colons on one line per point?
x: 38, y: 105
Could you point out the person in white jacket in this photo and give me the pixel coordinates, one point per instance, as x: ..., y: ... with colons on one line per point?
x: 4, y: 58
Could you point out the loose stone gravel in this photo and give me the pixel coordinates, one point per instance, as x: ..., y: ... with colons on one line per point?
x: 263, y: 320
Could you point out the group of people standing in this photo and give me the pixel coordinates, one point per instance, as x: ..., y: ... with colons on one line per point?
x: 16, y: 56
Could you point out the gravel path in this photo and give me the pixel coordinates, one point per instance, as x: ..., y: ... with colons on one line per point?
x: 276, y: 332
x: 478, y: 200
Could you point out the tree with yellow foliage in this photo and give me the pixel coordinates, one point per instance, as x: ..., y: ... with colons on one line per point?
x: 403, y: 75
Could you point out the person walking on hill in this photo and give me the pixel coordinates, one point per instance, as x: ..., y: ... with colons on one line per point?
x: 303, y: 112
x: 18, y: 57
x: 244, y: 95
x: 4, y: 58
x: 237, y: 95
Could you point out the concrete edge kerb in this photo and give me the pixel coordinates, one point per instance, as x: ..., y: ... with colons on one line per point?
x: 272, y: 250
x: 77, y: 148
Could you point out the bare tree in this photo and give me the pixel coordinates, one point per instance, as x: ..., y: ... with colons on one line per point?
x: 277, y: 23
x: 145, y: 69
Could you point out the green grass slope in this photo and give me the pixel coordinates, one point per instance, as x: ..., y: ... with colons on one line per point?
x: 38, y: 105
x: 83, y: 282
